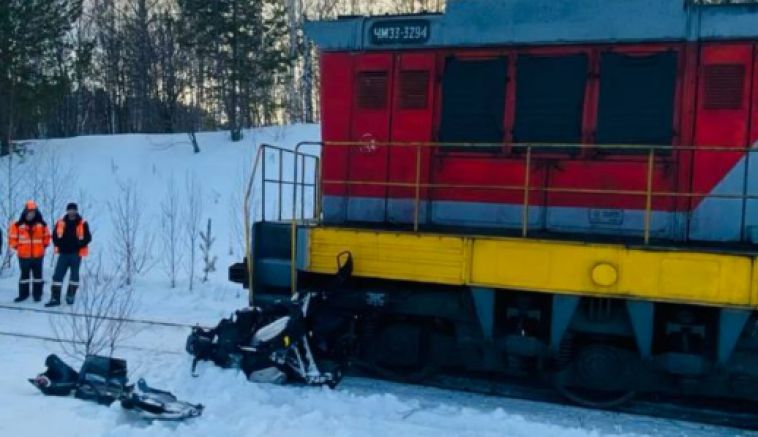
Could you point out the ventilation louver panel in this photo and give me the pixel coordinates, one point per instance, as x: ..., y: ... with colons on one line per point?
x: 372, y: 90
x: 414, y: 89
x: 724, y: 86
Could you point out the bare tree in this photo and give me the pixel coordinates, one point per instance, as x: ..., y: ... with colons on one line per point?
x: 236, y: 209
x: 60, y: 178
x: 138, y: 22
x: 97, y: 324
x: 170, y: 231
x: 414, y: 6
x: 14, y: 180
x: 206, y: 248
x: 192, y: 135
x: 192, y: 214
x: 133, y: 240
x: 86, y: 206
x: 52, y: 182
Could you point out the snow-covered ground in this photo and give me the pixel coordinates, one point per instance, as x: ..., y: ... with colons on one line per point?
x: 234, y: 407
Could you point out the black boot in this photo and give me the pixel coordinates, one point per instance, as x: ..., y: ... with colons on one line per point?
x: 71, y: 293
x: 55, y: 296
x: 37, y: 290
x: 23, y: 292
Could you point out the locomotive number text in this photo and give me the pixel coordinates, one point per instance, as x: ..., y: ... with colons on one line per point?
x: 400, y: 32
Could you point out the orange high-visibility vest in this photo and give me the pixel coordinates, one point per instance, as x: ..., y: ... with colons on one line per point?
x: 29, y: 241
x: 60, y: 228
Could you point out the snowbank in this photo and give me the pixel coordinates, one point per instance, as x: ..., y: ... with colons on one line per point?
x: 359, y: 407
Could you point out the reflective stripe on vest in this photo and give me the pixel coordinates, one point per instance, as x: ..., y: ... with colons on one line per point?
x: 29, y: 241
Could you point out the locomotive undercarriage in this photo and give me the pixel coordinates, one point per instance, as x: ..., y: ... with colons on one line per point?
x: 595, y: 351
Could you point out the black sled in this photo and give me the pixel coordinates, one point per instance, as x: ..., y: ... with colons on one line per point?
x: 152, y: 404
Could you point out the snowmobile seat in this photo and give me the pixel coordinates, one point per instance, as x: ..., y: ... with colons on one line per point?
x: 221, y: 344
x: 102, y: 379
x: 279, y: 333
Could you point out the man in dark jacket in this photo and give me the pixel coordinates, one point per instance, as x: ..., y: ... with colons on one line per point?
x: 71, y: 238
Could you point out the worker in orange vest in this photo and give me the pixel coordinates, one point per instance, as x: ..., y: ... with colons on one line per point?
x: 29, y: 237
x: 71, y: 237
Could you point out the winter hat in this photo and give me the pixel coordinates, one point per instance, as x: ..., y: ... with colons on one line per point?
x: 71, y: 206
x: 31, y: 205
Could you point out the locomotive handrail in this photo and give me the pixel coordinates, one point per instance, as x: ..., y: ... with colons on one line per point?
x: 461, y: 146
x: 259, y: 162
x: 280, y: 181
x: 648, y: 192
x: 246, y: 218
x: 528, y: 152
x: 316, y: 212
x: 566, y: 190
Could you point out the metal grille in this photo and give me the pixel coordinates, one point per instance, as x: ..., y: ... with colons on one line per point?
x: 724, y: 86
x: 372, y: 90
x: 414, y: 89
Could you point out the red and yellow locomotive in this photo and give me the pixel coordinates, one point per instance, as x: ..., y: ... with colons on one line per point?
x: 565, y: 188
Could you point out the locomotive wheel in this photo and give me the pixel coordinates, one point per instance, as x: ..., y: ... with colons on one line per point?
x: 401, y: 352
x: 594, y: 398
x: 598, y: 377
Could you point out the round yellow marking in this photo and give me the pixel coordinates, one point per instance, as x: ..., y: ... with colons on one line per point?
x: 604, y: 274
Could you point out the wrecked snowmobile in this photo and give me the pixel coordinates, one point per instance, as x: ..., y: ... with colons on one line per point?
x: 272, y: 345
x: 104, y: 380
x: 285, y: 342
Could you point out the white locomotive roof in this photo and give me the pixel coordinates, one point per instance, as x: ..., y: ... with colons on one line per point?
x: 478, y: 23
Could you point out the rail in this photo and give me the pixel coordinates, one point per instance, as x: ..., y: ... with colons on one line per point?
x: 298, y: 182
x: 630, y: 152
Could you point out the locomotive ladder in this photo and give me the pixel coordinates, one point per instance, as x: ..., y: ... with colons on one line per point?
x: 305, y: 207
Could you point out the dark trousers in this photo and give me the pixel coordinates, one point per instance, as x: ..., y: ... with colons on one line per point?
x: 67, y: 262
x: 31, y: 277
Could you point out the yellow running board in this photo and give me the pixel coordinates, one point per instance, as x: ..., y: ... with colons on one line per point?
x: 609, y: 270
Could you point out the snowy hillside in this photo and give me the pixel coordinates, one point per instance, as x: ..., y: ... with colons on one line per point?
x: 97, y: 169
x: 100, y: 164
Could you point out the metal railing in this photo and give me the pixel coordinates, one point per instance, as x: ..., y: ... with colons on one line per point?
x: 301, y: 179
x: 280, y: 181
x: 650, y: 155
x: 298, y: 183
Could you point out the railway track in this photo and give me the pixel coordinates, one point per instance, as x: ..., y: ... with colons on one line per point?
x: 82, y: 315
x: 58, y: 340
x: 162, y: 332
x: 731, y: 415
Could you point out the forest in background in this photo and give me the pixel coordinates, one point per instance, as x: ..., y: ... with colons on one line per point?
x: 83, y: 67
